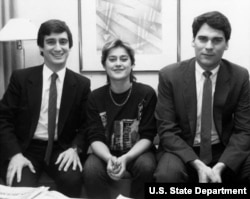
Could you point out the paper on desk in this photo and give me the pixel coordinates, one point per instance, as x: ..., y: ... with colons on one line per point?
x: 7, y: 192
x: 42, y: 192
x: 122, y: 197
x: 52, y: 195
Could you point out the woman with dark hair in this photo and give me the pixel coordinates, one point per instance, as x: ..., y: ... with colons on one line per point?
x: 121, y: 126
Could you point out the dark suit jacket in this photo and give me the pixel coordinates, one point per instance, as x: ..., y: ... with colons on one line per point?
x: 20, y: 109
x: 176, y: 111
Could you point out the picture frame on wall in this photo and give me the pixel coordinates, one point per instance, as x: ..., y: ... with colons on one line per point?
x: 149, y: 26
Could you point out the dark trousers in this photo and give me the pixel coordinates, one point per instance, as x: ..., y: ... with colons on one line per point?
x: 99, y: 185
x: 68, y: 183
x: 171, y: 169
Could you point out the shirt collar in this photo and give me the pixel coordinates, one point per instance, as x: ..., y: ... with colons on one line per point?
x: 47, y: 73
x: 200, y: 70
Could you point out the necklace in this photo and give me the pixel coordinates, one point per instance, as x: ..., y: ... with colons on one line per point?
x: 125, y: 101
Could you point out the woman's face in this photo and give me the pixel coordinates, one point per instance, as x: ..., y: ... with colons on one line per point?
x: 118, y: 64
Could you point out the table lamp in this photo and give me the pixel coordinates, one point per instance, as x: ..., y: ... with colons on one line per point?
x: 18, y: 29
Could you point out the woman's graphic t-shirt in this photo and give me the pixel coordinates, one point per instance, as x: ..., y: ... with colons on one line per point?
x: 120, y: 127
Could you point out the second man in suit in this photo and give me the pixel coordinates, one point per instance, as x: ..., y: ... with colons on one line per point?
x: 203, y: 111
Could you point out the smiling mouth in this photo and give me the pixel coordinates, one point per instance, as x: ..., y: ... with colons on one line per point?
x: 58, y: 56
x: 208, y: 55
x: 118, y: 70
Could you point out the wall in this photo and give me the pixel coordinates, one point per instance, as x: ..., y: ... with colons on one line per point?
x: 239, y: 46
x: 42, y: 10
x: 5, y: 47
x: 39, y: 11
x: 1, y: 62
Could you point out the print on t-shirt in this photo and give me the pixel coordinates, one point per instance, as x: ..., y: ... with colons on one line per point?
x: 125, y: 132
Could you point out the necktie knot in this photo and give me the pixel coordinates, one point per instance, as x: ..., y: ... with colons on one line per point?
x: 54, y: 76
x: 207, y: 73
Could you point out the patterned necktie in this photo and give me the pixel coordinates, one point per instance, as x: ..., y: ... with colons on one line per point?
x: 206, y: 120
x: 51, y: 116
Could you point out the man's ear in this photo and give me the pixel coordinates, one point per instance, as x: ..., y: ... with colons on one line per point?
x: 227, y: 45
x: 193, y: 43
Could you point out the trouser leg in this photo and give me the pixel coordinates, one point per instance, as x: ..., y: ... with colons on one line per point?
x: 142, y: 170
x: 170, y: 169
x: 68, y: 182
x: 96, y: 179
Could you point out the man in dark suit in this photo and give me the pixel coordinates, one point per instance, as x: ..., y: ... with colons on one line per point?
x: 186, y: 152
x: 36, y: 102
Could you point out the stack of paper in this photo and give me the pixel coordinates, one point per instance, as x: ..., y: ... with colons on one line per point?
x: 122, y: 197
x: 42, y: 192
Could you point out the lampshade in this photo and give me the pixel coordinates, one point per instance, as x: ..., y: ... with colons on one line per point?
x: 18, y: 29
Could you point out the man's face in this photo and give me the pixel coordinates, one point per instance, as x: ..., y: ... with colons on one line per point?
x: 209, y: 45
x: 56, y: 50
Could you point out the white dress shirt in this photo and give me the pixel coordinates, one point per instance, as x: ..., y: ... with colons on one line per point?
x: 41, y: 132
x: 199, y: 91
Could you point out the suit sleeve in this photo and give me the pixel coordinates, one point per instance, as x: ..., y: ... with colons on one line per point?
x: 170, y: 133
x: 96, y: 131
x: 81, y: 137
x: 9, y: 107
x: 238, y: 139
x: 147, y: 128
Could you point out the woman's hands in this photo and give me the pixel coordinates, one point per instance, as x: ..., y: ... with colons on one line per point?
x: 116, y: 167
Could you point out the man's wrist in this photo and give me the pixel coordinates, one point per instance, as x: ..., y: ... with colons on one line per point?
x: 220, y: 166
x: 197, y: 164
x: 76, y: 149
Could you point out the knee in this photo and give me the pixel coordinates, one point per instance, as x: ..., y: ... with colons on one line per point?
x: 170, y: 170
x: 147, y: 169
x: 144, y: 167
x: 71, y: 178
x: 70, y: 183
x: 169, y: 175
x: 93, y: 168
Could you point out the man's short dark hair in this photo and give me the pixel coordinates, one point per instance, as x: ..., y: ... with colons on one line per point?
x: 53, y: 26
x: 215, y: 20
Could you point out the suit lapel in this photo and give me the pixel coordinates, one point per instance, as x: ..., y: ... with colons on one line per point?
x: 68, y: 96
x: 189, y: 94
x: 34, y: 89
x: 220, y: 95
